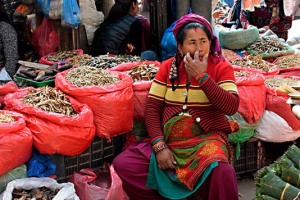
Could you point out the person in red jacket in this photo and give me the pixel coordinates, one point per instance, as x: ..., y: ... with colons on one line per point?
x: 188, y: 153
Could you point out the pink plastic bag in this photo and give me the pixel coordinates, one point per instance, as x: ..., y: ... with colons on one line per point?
x: 99, y: 185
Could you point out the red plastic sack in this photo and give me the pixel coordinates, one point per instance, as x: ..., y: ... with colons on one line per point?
x: 52, y: 132
x: 112, y: 104
x: 140, y: 89
x: 103, y: 185
x: 44, y: 60
x: 252, y: 93
x: 7, y: 88
x: 276, y: 102
x: 45, y: 39
x: 15, y: 142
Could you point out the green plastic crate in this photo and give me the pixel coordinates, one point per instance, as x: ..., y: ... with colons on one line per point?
x: 35, y: 83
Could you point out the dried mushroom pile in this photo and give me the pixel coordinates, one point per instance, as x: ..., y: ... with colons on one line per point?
x: 90, y: 76
x: 107, y: 61
x: 289, y: 61
x: 143, y: 72
x: 267, y: 45
x: 41, y: 193
x: 50, y: 100
x: 62, y: 55
x: 6, y: 118
x: 251, y: 61
x: 241, y: 74
x: 282, y: 84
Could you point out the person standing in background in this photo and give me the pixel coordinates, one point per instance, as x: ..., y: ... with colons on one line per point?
x: 8, y: 49
x: 121, y: 31
x: 269, y: 16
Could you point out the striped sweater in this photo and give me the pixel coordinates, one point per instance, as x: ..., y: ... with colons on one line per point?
x: 207, y: 103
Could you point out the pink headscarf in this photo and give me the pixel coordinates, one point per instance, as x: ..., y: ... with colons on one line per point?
x: 189, y: 18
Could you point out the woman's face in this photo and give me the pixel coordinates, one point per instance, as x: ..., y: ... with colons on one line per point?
x: 195, y: 39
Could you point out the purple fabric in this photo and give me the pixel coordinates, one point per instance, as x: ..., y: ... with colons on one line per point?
x: 215, y: 48
x: 132, y: 166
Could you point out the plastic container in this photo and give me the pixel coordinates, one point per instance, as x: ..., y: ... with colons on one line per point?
x: 35, y: 83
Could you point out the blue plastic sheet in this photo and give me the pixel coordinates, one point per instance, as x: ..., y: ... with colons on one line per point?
x: 40, y: 165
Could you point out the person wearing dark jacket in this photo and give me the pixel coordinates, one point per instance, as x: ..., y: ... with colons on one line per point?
x: 121, y: 32
x: 8, y: 50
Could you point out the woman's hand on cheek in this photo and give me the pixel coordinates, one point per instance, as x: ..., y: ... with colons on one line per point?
x: 195, y: 66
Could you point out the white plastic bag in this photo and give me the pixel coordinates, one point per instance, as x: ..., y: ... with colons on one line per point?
x: 273, y: 128
x: 67, y: 190
x: 4, y: 76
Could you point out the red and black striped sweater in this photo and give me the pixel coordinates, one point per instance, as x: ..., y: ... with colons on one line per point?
x: 208, y: 103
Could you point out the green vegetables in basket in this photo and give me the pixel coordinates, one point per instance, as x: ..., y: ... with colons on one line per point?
x: 293, y: 153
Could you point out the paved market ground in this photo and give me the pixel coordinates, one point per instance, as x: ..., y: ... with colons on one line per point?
x: 246, y: 189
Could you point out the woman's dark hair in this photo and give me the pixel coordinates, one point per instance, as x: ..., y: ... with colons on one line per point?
x: 182, y: 32
x: 119, y: 9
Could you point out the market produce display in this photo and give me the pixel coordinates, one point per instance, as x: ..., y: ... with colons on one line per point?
x: 6, y: 118
x: 50, y: 100
x: 42, y: 193
x: 143, y: 72
x: 90, y: 76
x: 109, y: 61
x: 253, y: 61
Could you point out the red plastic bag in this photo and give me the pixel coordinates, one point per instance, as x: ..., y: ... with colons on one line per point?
x: 252, y: 93
x: 100, y: 185
x: 140, y: 89
x: 52, y: 132
x: 112, y: 104
x: 15, y: 143
x: 276, y: 102
x: 7, y: 88
x: 45, y: 39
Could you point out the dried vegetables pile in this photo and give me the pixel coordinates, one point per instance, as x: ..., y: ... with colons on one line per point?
x: 108, y: 61
x: 282, y: 84
x: 6, y: 118
x: 143, y: 72
x: 38, y: 74
x: 41, y: 193
x: 267, y: 45
x: 77, y: 59
x: 288, y: 61
x: 90, y: 76
x: 253, y: 61
x: 229, y: 54
x: 50, y: 100
x: 241, y: 74
x: 62, y: 55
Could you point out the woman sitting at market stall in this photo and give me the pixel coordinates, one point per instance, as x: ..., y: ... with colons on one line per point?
x: 188, y: 152
x: 122, y: 32
x: 8, y: 49
x: 269, y: 16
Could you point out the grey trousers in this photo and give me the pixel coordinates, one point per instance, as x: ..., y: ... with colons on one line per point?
x: 200, y: 7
